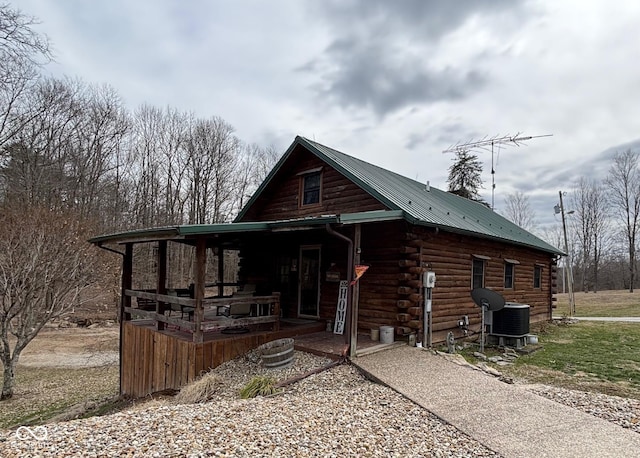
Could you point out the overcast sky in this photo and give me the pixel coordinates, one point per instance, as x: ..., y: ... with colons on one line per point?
x: 390, y: 82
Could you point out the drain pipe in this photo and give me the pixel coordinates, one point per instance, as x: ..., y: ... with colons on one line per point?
x: 330, y: 230
x: 99, y: 245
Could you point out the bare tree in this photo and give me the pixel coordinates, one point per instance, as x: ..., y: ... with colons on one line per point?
x: 45, y: 264
x: 213, y: 160
x: 602, y: 240
x: 582, y: 224
x: 256, y: 163
x: 34, y: 161
x: 146, y: 171
x: 91, y: 149
x: 623, y: 182
x: 518, y: 210
x: 22, y: 52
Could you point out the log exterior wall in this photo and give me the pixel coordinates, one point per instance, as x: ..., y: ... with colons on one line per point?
x: 391, y: 290
x: 398, y: 253
x: 280, y: 199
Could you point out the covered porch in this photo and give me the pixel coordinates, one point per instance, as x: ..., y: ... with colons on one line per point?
x: 286, y: 284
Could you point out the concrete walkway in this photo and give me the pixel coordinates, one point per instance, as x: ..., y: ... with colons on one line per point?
x: 508, y: 419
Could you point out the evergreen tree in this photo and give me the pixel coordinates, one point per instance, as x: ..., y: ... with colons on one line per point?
x: 464, y: 175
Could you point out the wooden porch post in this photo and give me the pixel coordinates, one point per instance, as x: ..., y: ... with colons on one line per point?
x: 356, y: 292
x: 220, y: 271
x: 201, y: 270
x: 127, y: 281
x: 161, y: 285
x: 125, y: 301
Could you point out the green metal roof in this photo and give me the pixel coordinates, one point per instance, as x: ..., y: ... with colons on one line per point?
x: 178, y: 232
x: 419, y: 203
x: 190, y: 231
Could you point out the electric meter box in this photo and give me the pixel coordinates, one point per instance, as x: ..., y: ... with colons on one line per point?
x: 429, y: 279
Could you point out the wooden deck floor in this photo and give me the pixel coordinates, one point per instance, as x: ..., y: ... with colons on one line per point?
x: 332, y: 345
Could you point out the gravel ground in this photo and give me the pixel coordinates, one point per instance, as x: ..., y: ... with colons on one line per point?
x: 334, y: 413
x: 621, y: 411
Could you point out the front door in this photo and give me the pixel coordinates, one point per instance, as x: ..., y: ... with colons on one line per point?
x: 309, y: 281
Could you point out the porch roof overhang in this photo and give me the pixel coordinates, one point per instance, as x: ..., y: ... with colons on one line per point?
x: 228, y: 231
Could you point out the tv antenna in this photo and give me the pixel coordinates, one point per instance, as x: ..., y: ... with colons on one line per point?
x: 489, y: 144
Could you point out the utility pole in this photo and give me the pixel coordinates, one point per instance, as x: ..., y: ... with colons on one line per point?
x: 572, y: 301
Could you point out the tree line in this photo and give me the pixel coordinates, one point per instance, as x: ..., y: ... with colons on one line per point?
x: 69, y: 145
x: 74, y: 163
x: 602, y: 222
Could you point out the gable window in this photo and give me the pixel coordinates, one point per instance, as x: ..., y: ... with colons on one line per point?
x: 311, y: 188
x: 537, y: 276
x: 477, y: 274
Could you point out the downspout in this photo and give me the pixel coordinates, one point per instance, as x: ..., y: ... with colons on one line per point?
x: 110, y: 249
x: 330, y: 230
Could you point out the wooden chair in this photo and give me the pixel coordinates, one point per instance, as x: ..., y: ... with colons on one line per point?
x: 146, y: 304
x: 183, y: 309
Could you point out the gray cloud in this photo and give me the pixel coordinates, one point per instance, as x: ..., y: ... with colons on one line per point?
x: 444, y: 135
x: 379, y: 59
x: 553, y: 179
x: 430, y: 19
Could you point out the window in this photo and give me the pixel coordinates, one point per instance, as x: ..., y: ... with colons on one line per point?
x: 477, y: 274
x: 311, y: 188
x: 537, y: 276
x: 508, y: 275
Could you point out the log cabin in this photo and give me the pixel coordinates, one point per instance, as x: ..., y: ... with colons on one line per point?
x: 317, y: 222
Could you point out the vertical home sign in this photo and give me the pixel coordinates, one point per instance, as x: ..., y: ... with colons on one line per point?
x: 341, y: 309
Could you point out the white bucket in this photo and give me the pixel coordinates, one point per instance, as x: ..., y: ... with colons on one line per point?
x: 386, y: 334
x: 375, y: 335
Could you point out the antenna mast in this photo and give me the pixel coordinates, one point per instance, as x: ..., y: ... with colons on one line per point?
x: 485, y: 143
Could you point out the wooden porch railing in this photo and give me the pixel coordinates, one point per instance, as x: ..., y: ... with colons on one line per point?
x: 267, y: 310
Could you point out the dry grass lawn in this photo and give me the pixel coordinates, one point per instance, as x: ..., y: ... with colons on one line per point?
x: 63, y: 372
x: 603, y: 303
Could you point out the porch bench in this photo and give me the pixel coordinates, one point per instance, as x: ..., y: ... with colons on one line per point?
x: 234, y: 310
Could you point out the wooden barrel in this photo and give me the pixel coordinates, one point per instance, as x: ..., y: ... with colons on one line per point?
x: 277, y: 353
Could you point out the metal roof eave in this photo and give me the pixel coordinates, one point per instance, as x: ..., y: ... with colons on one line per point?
x: 222, y: 228
x: 455, y: 230
x: 303, y: 223
x: 138, y: 235
x: 176, y: 232
x: 374, y: 216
